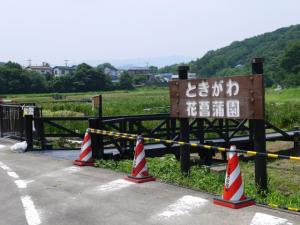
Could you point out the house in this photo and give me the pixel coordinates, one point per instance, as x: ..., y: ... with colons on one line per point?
x: 43, y: 69
x: 190, y: 76
x: 139, y: 71
x: 164, y: 77
x: 59, y: 71
x: 111, y: 71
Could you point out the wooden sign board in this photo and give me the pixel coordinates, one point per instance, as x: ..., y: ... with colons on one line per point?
x: 96, y: 101
x: 28, y: 110
x: 235, y: 97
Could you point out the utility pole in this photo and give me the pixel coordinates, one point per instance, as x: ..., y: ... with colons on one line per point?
x: 66, y: 62
x: 29, y: 62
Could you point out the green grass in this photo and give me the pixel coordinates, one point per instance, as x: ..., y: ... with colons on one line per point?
x: 139, y: 101
x: 283, y: 183
x: 291, y: 95
x: 282, y: 108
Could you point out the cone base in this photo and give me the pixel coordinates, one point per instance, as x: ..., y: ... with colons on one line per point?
x: 140, y: 180
x: 82, y: 163
x: 234, y: 204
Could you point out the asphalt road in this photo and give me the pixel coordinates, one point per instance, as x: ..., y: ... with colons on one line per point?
x: 40, y: 189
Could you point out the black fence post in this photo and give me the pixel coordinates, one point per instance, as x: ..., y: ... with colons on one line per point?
x: 95, y: 139
x: 296, y: 142
x: 101, y: 127
x: 200, y: 136
x: 20, y: 121
x: 28, y: 131
x: 173, y: 127
x: 123, y: 142
x: 1, y: 121
x: 100, y: 113
x: 131, y: 131
x: 168, y: 122
x: 41, y: 132
x: 184, y: 130
x: 259, y: 137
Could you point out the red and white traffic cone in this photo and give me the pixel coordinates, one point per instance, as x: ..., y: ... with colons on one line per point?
x: 233, y: 194
x: 85, y: 155
x: 139, y: 173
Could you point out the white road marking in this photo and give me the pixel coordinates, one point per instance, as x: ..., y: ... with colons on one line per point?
x: 28, y: 181
x: 21, y: 184
x: 13, y: 174
x: 265, y: 219
x: 114, y: 185
x: 2, y: 146
x: 31, y: 213
x: 72, y: 169
x: 4, y: 167
x: 61, y: 172
x: 183, y: 206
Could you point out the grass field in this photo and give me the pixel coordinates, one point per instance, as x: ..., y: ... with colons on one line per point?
x: 139, y: 101
x: 291, y: 95
x: 282, y: 108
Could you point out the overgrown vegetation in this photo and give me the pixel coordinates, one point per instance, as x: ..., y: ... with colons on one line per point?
x: 282, y: 107
x: 283, y: 180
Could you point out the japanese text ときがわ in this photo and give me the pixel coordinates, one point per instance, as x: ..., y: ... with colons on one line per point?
x: 214, y: 107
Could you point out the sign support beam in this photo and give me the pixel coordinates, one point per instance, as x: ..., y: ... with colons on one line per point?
x: 258, y: 131
x: 184, y: 129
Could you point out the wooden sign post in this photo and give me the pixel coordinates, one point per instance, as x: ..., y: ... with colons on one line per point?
x: 97, y: 103
x: 232, y: 97
x: 184, y: 129
x: 257, y: 127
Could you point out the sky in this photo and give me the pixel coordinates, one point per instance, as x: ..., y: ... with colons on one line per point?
x: 119, y: 30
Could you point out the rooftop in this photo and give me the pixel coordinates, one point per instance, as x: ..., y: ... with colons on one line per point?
x: 139, y: 68
x: 38, y: 67
x: 64, y: 67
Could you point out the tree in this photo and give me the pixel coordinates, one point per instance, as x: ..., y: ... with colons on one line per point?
x: 126, y: 81
x: 13, y: 65
x: 87, y: 78
x: 13, y: 79
x: 106, y: 65
x: 153, y: 69
x: 269, y: 46
x: 291, y: 58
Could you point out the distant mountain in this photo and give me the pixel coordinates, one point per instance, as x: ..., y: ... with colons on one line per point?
x: 151, y: 61
x: 236, y: 58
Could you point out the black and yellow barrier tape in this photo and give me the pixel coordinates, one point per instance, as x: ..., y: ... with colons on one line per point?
x: 275, y: 206
x: 158, y: 140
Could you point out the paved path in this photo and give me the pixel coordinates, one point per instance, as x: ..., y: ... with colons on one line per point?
x: 39, y: 189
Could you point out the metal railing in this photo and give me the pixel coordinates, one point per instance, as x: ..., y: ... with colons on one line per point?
x: 12, y: 119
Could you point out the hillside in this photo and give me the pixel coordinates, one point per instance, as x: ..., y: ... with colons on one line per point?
x: 235, y: 59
